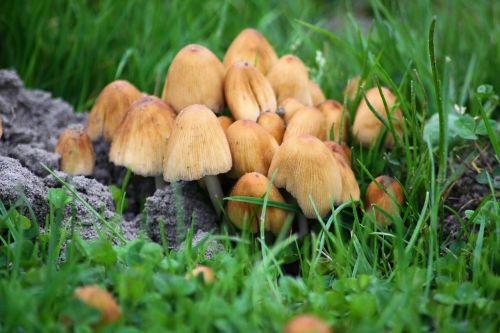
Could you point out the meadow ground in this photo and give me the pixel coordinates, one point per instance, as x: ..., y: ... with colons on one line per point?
x: 434, y: 269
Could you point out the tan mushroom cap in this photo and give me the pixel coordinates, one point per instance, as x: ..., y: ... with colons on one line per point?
x: 317, y: 94
x: 273, y: 124
x: 245, y: 215
x: 101, y: 300
x: 333, y: 112
x: 305, y: 167
x: 307, y: 120
x: 110, y: 108
x: 225, y: 122
x: 378, y: 195
x: 288, y: 107
x: 195, y: 76
x: 139, y: 143
x: 76, y: 151
x: 250, y: 45
x: 341, y: 149
x: 366, y: 127
x: 350, y: 186
x: 252, y: 147
x: 197, y: 146
x: 290, y: 79
x: 306, y: 324
x: 247, y: 91
x: 207, y: 273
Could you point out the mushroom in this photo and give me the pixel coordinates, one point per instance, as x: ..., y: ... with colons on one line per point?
x: 288, y: 107
x: 306, y: 324
x: 317, y: 95
x: 289, y: 78
x: 273, y: 124
x: 207, y: 273
x: 250, y: 45
x: 340, y: 148
x: 305, y: 167
x: 110, y: 108
x: 387, y: 195
x: 76, y: 151
x: 247, y: 91
x: 101, y: 300
x: 252, y: 147
x: 245, y: 215
x: 350, y: 186
x: 306, y: 120
x: 198, y: 149
x: 225, y: 122
x: 139, y: 142
x: 352, y: 88
x: 195, y: 76
x: 335, y: 117
x: 367, y: 127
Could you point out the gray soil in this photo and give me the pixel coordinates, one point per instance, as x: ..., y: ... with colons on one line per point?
x: 32, y: 122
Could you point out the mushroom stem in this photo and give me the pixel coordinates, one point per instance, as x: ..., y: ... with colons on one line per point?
x: 214, y: 191
x: 159, y: 182
x: 303, y: 227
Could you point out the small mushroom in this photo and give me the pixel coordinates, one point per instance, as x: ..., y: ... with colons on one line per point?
x: 289, y: 78
x: 245, y: 215
x: 195, y: 76
x: 225, y: 122
x: 350, y: 186
x: 307, y: 120
x: 333, y: 112
x: 306, y: 324
x: 367, y: 127
x: 140, y: 140
x: 101, y: 300
x: 273, y: 124
x: 250, y: 45
x: 247, y: 91
x: 317, y: 95
x: 288, y: 107
x: 76, y: 151
x: 252, y: 147
x: 207, y: 273
x: 110, y: 108
x: 341, y: 148
x: 198, y: 149
x: 387, y: 195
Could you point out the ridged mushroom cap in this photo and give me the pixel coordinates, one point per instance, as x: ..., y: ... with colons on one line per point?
x: 350, y: 186
x: 288, y: 107
x: 333, y: 112
x: 378, y: 195
x: 290, y: 79
x: 306, y: 121
x: 197, y: 146
x: 76, y: 151
x: 140, y: 140
x: 273, y: 124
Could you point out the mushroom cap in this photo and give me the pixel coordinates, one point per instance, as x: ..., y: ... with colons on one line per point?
x: 273, y: 124
x: 341, y: 149
x: 376, y: 196
x: 140, y: 140
x: 306, y: 324
x: 207, y: 272
x: 250, y: 45
x: 317, y: 95
x: 305, y: 168
x: 350, y: 186
x: 225, y: 122
x: 289, y: 78
x: 288, y: 107
x: 333, y: 112
x: 247, y: 91
x: 245, y: 215
x: 197, y: 146
x: 110, y: 108
x: 367, y: 127
x: 307, y: 120
x: 101, y: 300
x: 195, y: 76
x: 76, y: 151
x: 252, y: 147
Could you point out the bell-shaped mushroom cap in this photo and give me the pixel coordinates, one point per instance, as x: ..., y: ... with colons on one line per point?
x: 350, y: 186
x: 341, y: 149
x: 333, y: 112
x: 289, y: 79
x: 305, y: 167
x: 251, y: 46
x: 306, y: 324
x: 195, y: 76
x: 247, y: 91
x: 76, y: 151
x: 273, y: 124
x: 245, y: 215
x: 317, y: 95
x: 387, y: 195
x: 367, y: 127
x: 110, y: 108
x: 288, y: 107
x: 101, y: 300
x: 139, y: 143
x: 307, y: 120
x: 197, y: 146
x: 252, y: 147
x: 225, y: 122
x: 206, y: 272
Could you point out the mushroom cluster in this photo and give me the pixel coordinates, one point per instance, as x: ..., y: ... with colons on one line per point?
x: 249, y: 119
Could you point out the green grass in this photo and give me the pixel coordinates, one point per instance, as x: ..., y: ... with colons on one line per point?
x: 356, y: 275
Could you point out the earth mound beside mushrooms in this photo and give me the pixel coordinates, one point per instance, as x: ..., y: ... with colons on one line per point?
x: 101, y: 300
x: 76, y: 151
x: 384, y: 194
x: 289, y: 78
